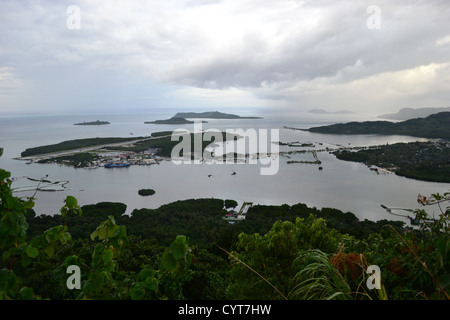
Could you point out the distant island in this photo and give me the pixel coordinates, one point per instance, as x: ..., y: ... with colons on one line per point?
x: 322, y: 111
x: 173, y: 120
x: 435, y: 126
x: 410, y: 113
x: 91, y: 123
x: 180, y: 117
x: 211, y: 115
x: 146, y: 192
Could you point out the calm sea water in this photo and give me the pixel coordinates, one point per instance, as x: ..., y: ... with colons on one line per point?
x: 344, y: 185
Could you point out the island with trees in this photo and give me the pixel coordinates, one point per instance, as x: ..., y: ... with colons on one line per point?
x: 427, y: 161
x: 411, y: 113
x: 84, y: 153
x: 211, y: 115
x: 173, y: 120
x: 181, y: 117
x: 92, y: 123
x: 434, y: 126
x: 146, y: 192
x: 73, y: 145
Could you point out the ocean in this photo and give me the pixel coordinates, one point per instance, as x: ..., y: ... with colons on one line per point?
x: 343, y: 185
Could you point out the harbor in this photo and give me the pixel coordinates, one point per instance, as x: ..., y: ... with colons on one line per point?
x: 103, y: 159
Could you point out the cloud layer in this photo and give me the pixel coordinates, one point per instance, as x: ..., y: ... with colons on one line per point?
x: 294, y: 55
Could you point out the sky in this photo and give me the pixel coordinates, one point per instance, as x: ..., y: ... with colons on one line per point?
x: 368, y: 57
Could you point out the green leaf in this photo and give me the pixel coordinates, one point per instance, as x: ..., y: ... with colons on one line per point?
x: 94, y: 235
x: 95, y: 283
x: 178, y: 247
x: 96, y: 255
x: 108, y: 264
x: 50, y: 250
x: 6, y: 255
x: 4, y: 275
x: 137, y: 293
x: 168, y: 263
x: 146, y: 273
x: 65, y: 237
x: 151, y: 284
x: 71, y: 202
x: 63, y: 211
x: 32, y: 252
x: 103, y: 233
x: 26, y: 294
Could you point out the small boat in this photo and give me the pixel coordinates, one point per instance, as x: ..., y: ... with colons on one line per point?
x: 117, y: 165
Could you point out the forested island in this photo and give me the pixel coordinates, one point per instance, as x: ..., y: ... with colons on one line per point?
x: 211, y: 115
x: 73, y: 144
x: 141, y: 149
x: 434, y: 126
x: 173, y: 120
x: 164, y: 143
x: 427, y: 161
x: 92, y: 123
x: 410, y: 113
x: 146, y: 192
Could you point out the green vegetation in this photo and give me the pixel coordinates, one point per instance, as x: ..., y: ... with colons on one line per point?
x: 161, y: 134
x: 433, y: 127
x: 296, y: 144
x: 211, y: 115
x: 288, y: 246
x: 77, y: 160
x: 72, y: 145
x: 146, y: 192
x: 35, y: 268
x: 230, y: 204
x: 173, y: 120
x: 429, y: 161
x: 186, y: 250
x: 162, y: 141
x: 92, y: 123
x: 410, y: 113
x: 165, y: 143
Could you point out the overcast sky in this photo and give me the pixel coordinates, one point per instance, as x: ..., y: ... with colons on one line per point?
x: 370, y: 57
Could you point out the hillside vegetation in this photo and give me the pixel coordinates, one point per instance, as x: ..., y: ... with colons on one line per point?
x: 72, y: 145
x: 186, y: 251
x: 432, y: 127
x: 428, y: 161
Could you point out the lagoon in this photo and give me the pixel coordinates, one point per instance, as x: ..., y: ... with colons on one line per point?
x: 343, y: 185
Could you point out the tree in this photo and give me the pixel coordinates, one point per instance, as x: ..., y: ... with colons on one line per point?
x: 272, y: 255
x: 102, y: 277
x: 230, y: 204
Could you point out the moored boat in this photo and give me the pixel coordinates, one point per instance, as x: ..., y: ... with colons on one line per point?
x: 117, y: 165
